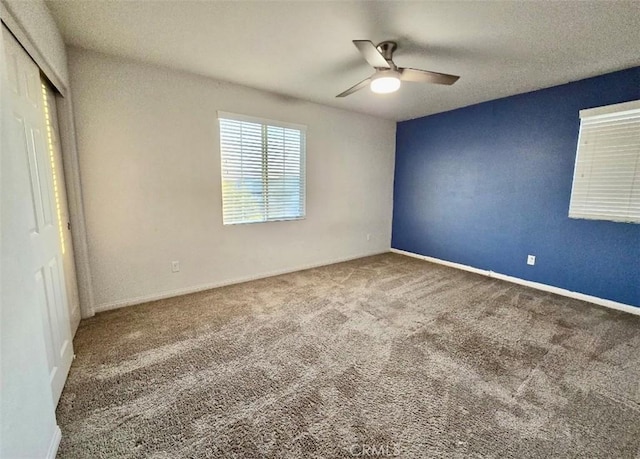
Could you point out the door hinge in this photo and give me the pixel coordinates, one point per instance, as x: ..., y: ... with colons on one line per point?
x: 69, y: 226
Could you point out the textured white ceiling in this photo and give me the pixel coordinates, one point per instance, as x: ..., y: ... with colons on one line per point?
x: 304, y: 50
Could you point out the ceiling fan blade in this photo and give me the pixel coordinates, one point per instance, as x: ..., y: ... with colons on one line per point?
x: 371, y: 54
x: 355, y: 87
x: 425, y: 76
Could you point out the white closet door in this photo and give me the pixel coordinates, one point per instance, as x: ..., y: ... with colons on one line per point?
x: 62, y: 208
x: 28, y: 126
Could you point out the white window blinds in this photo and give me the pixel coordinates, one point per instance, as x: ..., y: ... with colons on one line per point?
x: 606, y: 180
x: 263, y: 175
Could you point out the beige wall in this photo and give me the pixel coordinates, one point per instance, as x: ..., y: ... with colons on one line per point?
x: 150, y: 167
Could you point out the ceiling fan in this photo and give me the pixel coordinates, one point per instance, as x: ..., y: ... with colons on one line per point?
x: 388, y: 75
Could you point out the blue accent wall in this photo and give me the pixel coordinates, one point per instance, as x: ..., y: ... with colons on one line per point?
x: 488, y: 184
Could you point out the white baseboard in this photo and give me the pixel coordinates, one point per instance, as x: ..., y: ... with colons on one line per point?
x: 516, y: 280
x: 54, y: 444
x: 239, y: 280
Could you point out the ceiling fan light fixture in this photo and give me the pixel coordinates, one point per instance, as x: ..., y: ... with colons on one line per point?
x: 385, y: 82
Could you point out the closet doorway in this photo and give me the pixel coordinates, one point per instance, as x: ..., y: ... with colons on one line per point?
x: 35, y: 214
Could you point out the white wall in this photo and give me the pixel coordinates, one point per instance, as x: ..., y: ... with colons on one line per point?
x: 150, y: 167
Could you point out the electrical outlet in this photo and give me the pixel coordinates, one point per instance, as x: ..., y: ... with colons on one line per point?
x: 531, y: 260
x: 368, y: 236
x: 175, y: 266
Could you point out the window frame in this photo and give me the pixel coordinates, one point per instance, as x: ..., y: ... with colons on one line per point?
x: 579, y: 206
x: 265, y: 123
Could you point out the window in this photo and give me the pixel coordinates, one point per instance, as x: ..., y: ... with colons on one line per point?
x: 606, y: 179
x: 263, y: 175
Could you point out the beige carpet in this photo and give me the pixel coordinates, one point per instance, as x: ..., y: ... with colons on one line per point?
x: 381, y: 356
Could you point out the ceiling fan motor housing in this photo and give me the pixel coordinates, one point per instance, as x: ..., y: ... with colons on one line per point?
x: 387, y: 48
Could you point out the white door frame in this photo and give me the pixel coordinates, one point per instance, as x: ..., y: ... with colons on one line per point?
x: 74, y: 201
x: 69, y: 158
